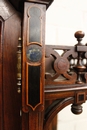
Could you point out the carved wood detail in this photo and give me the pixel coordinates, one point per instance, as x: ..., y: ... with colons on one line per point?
x: 68, y: 68
x: 65, y: 80
x: 33, y: 58
x: 65, y: 77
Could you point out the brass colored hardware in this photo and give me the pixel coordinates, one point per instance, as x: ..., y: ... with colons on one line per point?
x: 19, y: 51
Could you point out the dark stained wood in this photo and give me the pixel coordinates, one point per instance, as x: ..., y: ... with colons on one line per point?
x: 1, y: 74
x: 53, y: 124
x: 33, y: 69
x: 54, y: 108
x: 67, y: 68
x: 57, y: 87
x: 19, y: 4
x: 6, y: 9
x: 57, y: 81
x: 25, y: 121
x: 10, y: 100
x: 36, y: 120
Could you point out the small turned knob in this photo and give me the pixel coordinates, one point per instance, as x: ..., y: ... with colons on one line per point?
x: 79, y: 35
x: 76, y: 109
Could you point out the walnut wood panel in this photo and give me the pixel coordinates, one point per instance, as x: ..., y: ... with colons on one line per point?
x: 11, y: 99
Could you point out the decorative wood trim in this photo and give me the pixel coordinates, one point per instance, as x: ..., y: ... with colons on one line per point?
x: 28, y: 22
x: 33, y: 47
x: 54, y: 108
x: 27, y: 90
x: 80, y: 97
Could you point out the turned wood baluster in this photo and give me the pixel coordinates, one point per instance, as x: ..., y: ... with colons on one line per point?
x: 79, y: 67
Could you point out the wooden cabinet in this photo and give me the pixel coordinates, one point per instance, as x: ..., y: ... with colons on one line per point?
x: 49, y: 82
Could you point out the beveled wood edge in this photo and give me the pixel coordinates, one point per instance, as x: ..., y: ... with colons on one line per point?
x: 46, y: 2
x: 55, y: 92
x: 19, y: 4
x: 7, y: 10
x: 59, y: 88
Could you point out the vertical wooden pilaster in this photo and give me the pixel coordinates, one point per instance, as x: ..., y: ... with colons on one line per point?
x: 1, y: 74
x: 33, y: 66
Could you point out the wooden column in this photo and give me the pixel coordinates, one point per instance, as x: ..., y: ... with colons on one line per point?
x: 33, y: 66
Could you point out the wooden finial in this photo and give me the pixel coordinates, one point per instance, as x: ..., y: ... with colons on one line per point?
x: 79, y: 35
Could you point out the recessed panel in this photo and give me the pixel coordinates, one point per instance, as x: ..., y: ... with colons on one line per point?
x: 33, y: 85
x: 34, y: 25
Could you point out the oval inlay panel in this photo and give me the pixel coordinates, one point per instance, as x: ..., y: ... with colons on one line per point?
x: 34, y: 53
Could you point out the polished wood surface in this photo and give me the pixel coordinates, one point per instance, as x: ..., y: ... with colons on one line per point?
x: 63, y: 78
x: 10, y: 101
x: 33, y: 68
